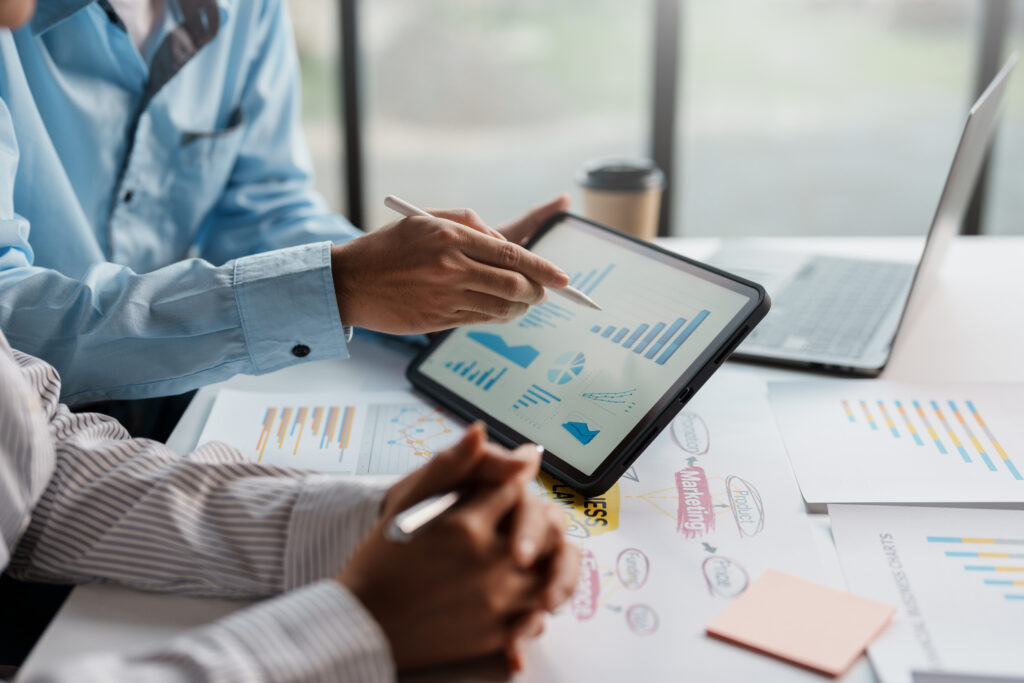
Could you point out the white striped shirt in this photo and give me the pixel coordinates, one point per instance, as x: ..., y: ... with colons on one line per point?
x: 81, y: 501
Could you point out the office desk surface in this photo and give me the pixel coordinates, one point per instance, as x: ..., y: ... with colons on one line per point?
x: 967, y: 328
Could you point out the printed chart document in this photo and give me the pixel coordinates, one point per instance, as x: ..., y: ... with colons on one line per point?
x: 705, y: 511
x: 957, y: 576
x: 380, y: 433
x: 889, y: 442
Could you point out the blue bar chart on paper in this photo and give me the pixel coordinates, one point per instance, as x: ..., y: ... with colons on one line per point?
x: 656, y: 341
x: 475, y: 373
x: 552, y: 313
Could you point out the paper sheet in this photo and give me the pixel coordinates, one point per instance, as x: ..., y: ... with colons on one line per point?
x: 706, y: 510
x: 957, y: 576
x: 378, y: 433
x: 889, y: 442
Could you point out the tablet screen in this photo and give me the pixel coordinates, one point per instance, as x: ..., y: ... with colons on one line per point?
x: 578, y: 380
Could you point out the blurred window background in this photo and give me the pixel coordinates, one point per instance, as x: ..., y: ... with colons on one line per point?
x: 792, y: 117
x: 317, y: 24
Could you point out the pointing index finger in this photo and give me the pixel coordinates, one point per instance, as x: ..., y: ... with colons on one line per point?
x: 511, y: 256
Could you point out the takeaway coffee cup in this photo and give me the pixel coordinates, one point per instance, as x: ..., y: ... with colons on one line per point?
x: 623, y: 193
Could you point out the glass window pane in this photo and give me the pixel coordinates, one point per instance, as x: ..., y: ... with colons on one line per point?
x: 317, y: 36
x: 805, y: 117
x: 1004, y: 208
x: 495, y: 105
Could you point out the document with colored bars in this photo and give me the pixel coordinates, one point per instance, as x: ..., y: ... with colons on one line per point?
x: 957, y: 577
x: 700, y: 516
x: 363, y: 433
x: 895, y: 442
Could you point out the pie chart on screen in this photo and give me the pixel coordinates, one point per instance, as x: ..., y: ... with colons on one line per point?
x: 566, y: 367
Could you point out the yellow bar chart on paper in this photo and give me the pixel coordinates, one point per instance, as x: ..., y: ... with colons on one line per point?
x: 891, y: 442
x: 370, y: 433
x: 283, y: 429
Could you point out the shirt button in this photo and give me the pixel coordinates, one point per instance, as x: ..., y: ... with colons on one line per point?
x: 128, y: 196
x: 300, y: 350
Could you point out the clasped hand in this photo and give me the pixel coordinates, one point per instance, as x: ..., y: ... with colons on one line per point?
x: 480, y: 578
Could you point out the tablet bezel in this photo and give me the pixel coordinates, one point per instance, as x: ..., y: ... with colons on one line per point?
x: 661, y: 413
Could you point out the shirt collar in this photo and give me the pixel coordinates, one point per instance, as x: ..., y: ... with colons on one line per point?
x: 51, y: 12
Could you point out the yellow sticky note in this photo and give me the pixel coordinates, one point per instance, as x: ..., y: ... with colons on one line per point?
x: 802, y: 622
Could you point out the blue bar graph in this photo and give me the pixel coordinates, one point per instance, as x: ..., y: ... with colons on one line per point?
x: 663, y: 339
x: 549, y: 314
x: 649, y: 338
x: 485, y: 379
x: 490, y: 384
x: 683, y: 336
x: 600, y: 277
x: 535, y: 396
x: 636, y: 335
x: 655, y: 340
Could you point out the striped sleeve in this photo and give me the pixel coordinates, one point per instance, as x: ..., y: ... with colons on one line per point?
x: 94, y: 504
x: 26, y: 454
x: 317, y: 633
x: 134, y: 512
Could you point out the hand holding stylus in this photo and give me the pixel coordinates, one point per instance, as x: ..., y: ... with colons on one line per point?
x: 446, y: 269
x: 408, y: 210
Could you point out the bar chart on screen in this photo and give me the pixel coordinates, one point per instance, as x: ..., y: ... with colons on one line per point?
x: 654, y: 341
x: 553, y: 314
x: 476, y: 374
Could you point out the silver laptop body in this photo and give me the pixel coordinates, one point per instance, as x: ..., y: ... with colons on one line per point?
x: 841, y: 314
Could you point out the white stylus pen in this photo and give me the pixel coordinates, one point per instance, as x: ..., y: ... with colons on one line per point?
x: 569, y: 292
x: 407, y: 523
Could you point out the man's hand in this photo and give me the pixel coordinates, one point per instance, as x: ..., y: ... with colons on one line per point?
x: 428, y: 274
x: 476, y: 581
x: 519, y: 231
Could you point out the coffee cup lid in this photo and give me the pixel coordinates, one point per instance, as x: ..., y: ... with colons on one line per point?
x: 623, y: 175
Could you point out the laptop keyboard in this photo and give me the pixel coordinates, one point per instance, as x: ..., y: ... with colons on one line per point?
x: 833, y: 306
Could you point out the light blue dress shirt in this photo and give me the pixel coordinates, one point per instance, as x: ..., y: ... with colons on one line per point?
x: 115, y: 167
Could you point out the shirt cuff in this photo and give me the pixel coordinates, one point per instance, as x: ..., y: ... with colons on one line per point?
x: 330, y: 518
x: 319, y: 633
x: 288, y: 307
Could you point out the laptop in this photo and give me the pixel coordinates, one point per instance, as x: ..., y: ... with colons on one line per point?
x: 840, y: 314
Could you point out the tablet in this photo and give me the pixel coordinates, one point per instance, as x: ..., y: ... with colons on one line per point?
x: 594, y: 387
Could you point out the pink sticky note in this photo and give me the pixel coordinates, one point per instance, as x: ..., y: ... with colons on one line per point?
x: 814, y: 626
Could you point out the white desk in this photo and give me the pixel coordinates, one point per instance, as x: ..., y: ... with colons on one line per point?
x: 967, y: 329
